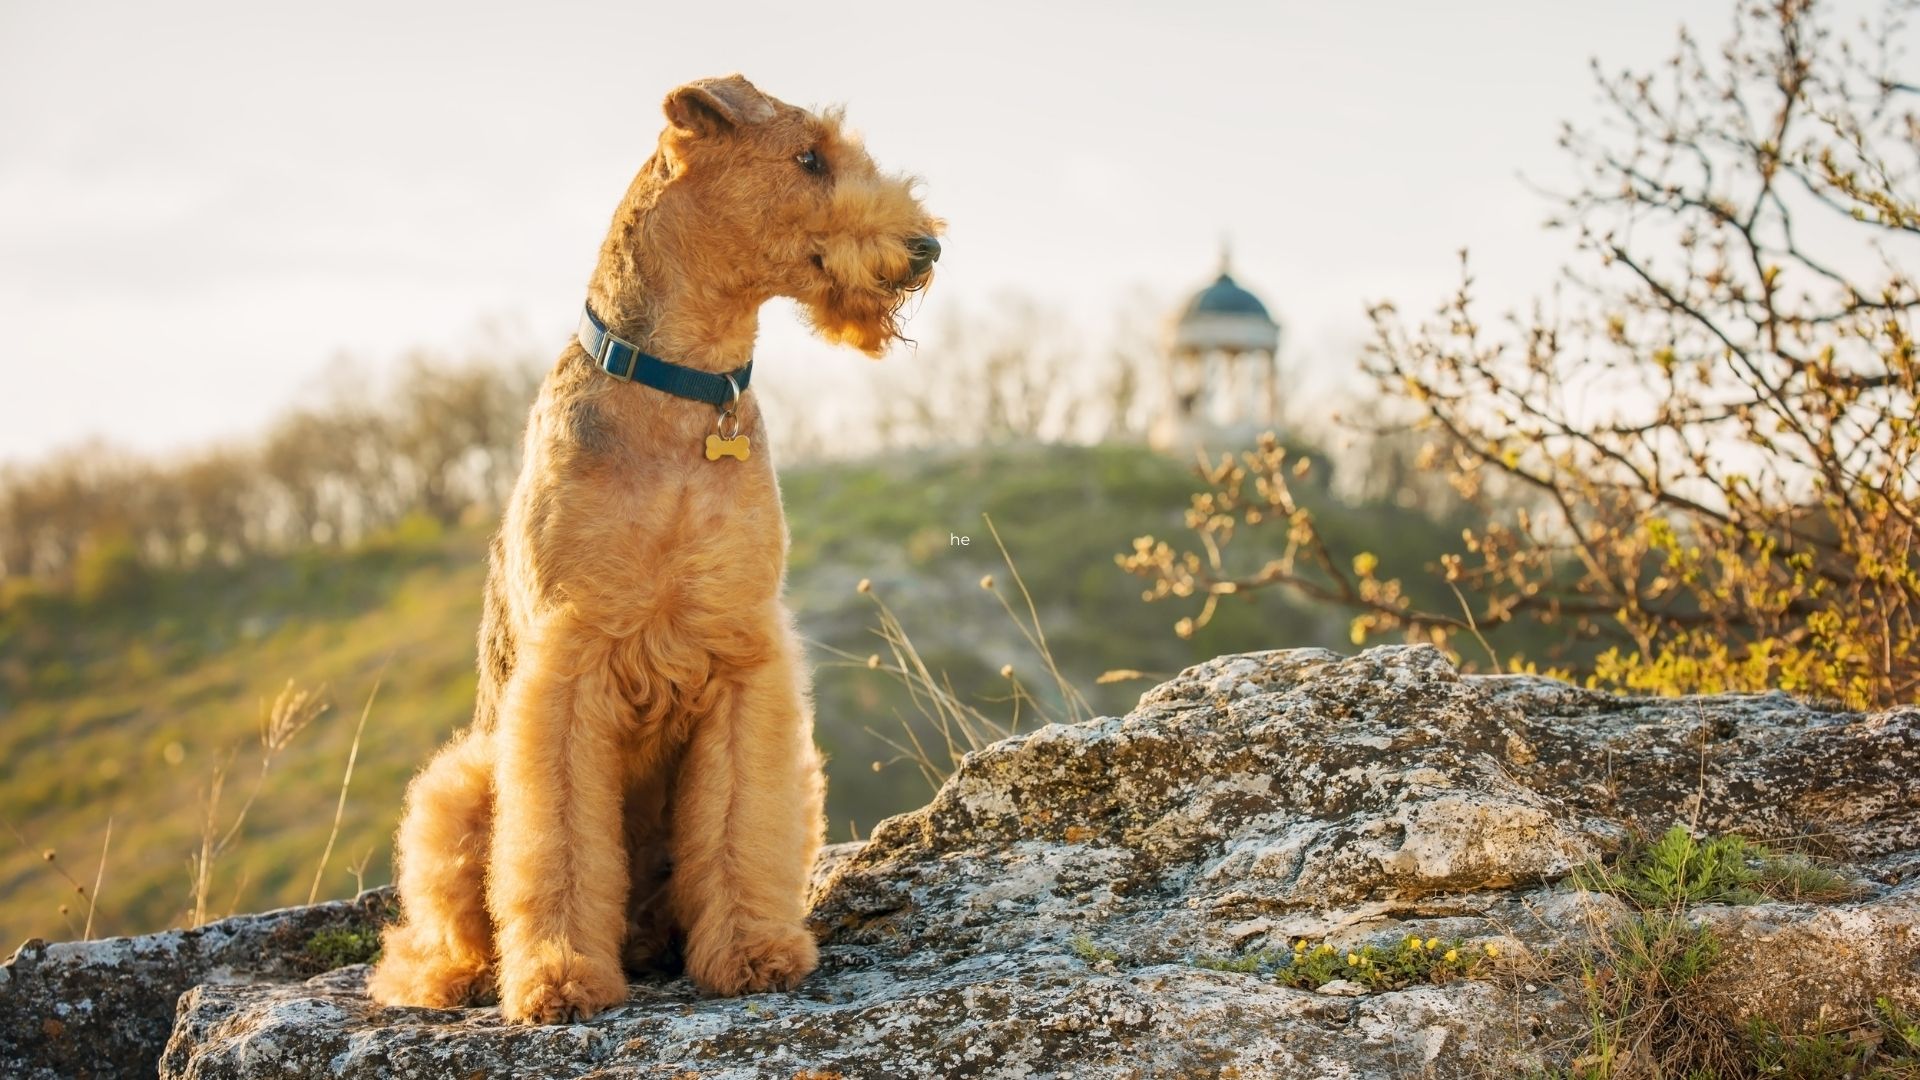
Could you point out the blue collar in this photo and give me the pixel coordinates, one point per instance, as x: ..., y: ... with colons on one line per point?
x: 624, y: 360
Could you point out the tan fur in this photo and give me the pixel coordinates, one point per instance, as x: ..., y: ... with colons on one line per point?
x: 641, y: 772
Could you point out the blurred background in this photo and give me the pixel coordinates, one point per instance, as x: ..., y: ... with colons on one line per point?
x: 277, y: 286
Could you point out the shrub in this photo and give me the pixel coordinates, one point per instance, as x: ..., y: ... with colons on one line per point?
x: 108, y: 570
x: 1701, y: 471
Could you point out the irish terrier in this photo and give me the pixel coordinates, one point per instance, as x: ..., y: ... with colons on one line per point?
x: 640, y: 775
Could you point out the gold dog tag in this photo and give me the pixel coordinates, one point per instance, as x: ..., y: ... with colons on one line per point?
x: 718, y: 447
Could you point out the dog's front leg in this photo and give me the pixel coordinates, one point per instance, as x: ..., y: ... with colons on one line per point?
x: 746, y: 828
x: 558, y: 881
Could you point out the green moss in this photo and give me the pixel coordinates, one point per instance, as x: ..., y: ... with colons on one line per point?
x: 339, y: 948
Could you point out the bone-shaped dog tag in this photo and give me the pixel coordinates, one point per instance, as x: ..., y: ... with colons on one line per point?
x: 718, y: 447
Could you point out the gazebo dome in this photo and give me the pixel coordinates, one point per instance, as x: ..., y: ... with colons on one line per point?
x: 1227, y: 318
x: 1226, y: 297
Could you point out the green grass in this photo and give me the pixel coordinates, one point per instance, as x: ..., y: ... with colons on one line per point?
x: 1639, y: 977
x: 122, y: 703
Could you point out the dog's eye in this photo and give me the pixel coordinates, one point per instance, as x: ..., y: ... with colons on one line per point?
x: 811, y: 161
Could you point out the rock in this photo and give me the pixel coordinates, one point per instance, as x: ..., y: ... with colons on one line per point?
x: 1801, y: 965
x: 105, y: 1008
x: 1046, y: 914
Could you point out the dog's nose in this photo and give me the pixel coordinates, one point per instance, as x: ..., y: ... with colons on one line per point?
x: 924, y: 251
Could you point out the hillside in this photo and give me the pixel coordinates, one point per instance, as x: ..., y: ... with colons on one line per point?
x: 121, y: 705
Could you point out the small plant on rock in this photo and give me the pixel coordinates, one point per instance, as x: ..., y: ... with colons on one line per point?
x: 1309, y: 965
x: 1638, y: 975
x: 1085, y: 948
x: 1679, y: 869
x: 1636, y: 982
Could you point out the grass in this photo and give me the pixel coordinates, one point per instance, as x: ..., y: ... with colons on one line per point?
x: 1886, y: 1048
x: 1638, y: 975
x: 132, y: 712
x: 346, y: 781
x: 128, y: 705
x: 955, y: 725
x: 280, y: 724
x: 1635, y: 980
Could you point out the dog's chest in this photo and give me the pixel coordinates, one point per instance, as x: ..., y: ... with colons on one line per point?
x: 711, y: 538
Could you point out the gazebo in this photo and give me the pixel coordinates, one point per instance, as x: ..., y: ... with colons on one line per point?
x: 1222, y: 366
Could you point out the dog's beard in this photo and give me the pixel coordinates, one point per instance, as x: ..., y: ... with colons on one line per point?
x: 868, y: 321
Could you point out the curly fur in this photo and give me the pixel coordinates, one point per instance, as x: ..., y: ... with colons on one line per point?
x: 640, y: 779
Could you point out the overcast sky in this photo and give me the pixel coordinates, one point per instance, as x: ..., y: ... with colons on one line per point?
x: 204, y: 205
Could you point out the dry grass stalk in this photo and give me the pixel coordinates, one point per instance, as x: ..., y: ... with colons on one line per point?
x: 290, y: 714
x: 340, y: 808
x: 959, y: 726
x: 99, y: 876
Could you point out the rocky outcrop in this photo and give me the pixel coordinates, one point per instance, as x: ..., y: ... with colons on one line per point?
x: 1063, y: 905
x: 105, y: 1008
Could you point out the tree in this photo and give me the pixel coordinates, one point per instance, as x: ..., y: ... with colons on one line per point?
x: 1706, y: 466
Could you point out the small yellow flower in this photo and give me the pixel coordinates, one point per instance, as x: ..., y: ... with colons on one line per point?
x: 1452, y: 957
x: 1353, y: 959
x: 1300, y: 946
x: 1492, y: 949
x: 1327, y: 949
x: 1413, y: 941
x: 1432, y: 943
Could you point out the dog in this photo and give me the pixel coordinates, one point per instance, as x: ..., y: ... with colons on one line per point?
x: 640, y: 782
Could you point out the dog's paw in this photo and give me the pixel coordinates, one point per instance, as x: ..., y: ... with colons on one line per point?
x: 558, y: 985
x: 755, y: 962
x: 412, y: 977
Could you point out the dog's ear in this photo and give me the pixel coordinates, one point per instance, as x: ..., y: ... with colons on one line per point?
x: 711, y: 106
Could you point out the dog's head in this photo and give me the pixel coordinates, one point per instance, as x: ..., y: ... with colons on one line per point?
x: 783, y: 202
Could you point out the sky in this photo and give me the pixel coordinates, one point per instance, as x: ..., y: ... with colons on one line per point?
x: 208, y: 210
